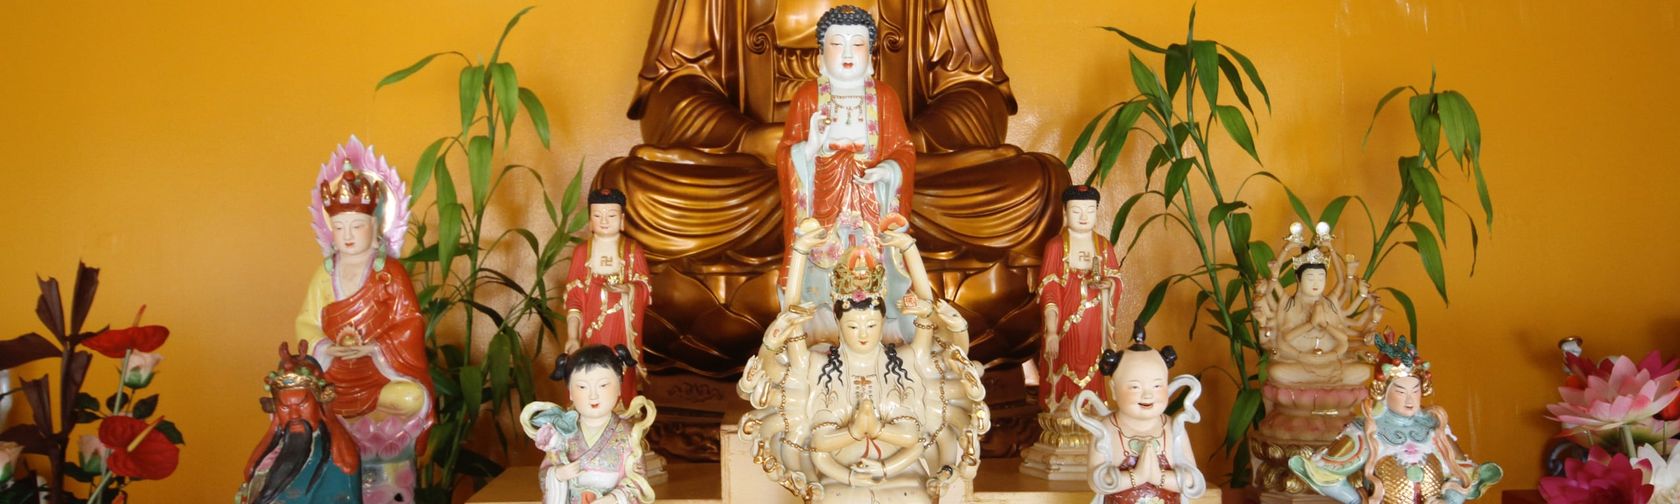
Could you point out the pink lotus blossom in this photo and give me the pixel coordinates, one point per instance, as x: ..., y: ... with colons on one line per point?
x: 1618, y: 393
x: 1601, y: 478
x: 1662, y: 473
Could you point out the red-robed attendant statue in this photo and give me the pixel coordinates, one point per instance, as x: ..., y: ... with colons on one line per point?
x: 1080, y: 293
x: 607, y: 287
x: 362, y: 321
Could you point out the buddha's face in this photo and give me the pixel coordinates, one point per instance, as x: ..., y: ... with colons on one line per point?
x: 845, y: 53
x: 606, y: 219
x: 594, y: 391
x: 1081, y: 215
x: 1312, y: 282
x: 1405, y: 395
x: 860, y: 330
x: 353, y: 233
x: 1140, y: 385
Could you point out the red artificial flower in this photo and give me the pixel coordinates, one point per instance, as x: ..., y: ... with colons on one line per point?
x: 1601, y: 478
x: 114, y: 343
x: 137, y: 449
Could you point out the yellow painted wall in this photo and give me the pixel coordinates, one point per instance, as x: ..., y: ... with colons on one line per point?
x: 173, y: 145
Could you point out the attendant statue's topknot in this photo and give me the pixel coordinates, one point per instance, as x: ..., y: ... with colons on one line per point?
x: 843, y: 15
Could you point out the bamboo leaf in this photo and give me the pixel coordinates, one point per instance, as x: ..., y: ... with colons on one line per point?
x: 471, y: 86
x: 1482, y: 192
x: 1426, y: 124
x: 449, y: 217
x: 1175, y: 178
x: 1459, y: 122
x: 497, y: 358
x: 1407, y: 307
x: 497, y: 54
x: 538, y: 114
x: 1241, y: 226
x: 1231, y: 75
x: 1380, y: 104
x: 1158, y: 157
x: 1429, y: 191
x: 1140, y: 43
x: 1206, y: 54
x: 1176, y: 66
x: 1113, y: 138
x: 1202, y: 298
x: 1217, y: 214
x: 478, y: 170
x: 1242, y: 416
x: 1253, y: 74
x: 472, y: 390
x: 505, y: 80
x: 1260, y: 255
x: 1152, y: 303
x: 1237, y: 127
x: 1430, y: 254
x: 399, y: 75
x: 1084, y: 139
x: 1121, y: 215
x: 423, y: 170
x: 1148, y: 84
x: 1333, y: 211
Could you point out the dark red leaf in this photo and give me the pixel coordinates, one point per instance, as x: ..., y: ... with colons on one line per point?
x: 25, y: 349
x: 87, y: 283
x: 29, y: 436
x: 49, y: 308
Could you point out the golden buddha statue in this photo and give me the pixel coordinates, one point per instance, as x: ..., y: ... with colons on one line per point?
x: 705, y: 199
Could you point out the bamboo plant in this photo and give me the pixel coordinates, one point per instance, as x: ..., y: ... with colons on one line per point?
x: 1180, y: 127
x: 451, y: 240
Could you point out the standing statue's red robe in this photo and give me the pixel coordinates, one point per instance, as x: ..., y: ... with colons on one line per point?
x: 1079, y: 307
x: 603, y: 311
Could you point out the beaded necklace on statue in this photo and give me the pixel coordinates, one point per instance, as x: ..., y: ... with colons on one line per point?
x: 870, y: 114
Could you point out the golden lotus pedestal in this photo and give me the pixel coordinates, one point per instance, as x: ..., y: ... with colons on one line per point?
x: 1299, y: 421
x: 1061, y: 450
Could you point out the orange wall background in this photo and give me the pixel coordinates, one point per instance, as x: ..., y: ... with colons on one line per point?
x: 173, y: 144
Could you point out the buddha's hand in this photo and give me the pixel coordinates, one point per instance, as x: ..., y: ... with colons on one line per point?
x: 350, y: 351
x: 864, y: 424
x: 816, y: 136
x: 809, y: 234
x: 898, y: 240
x: 567, y: 472
x: 912, y: 305
x: 950, y: 319
x: 874, y: 175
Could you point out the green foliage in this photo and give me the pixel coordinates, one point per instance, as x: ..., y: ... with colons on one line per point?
x: 1231, y: 262
x: 450, y: 276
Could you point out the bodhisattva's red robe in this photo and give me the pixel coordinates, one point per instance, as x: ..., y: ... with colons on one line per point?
x: 385, y: 312
x: 833, y: 188
x: 603, y: 311
x: 1078, y: 302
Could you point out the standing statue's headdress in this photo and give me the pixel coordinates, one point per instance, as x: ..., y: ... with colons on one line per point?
x: 1397, y: 358
x: 354, y: 179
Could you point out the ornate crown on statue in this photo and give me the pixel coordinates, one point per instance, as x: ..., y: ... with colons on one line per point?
x: 1397, y: 358
x: 350, y: 192
x: 1314, y: 256
x: 857, y: 278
